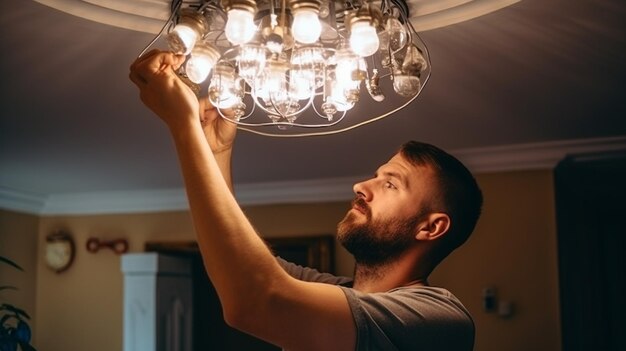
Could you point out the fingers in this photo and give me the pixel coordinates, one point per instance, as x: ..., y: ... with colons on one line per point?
x: 152, y: 63
x: 136, y: 78
x: 205, y: 104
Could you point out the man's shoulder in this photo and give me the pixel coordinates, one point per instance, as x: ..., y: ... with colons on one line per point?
x: 398, y: 318
x: 435, y: 302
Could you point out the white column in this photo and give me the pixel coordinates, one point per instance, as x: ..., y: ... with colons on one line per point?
x: 157, y: 302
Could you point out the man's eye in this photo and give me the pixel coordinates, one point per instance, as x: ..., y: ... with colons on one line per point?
x: 390, y: 185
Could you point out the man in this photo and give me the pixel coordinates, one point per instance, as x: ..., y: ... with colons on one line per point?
x: 417, y: 208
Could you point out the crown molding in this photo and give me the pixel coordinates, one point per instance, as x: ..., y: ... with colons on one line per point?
x: 533, y: 156
x: 21, y: 201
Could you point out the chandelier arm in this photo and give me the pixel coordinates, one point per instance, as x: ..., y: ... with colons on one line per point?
x: 276, y: 111
x: 208, y: 4
x: 308, y: 104
x: 318, y: 113
x: 219, y: 111
x: 274, y: 107
x: 332, y: 132
x: 299, y: 111
x: 265, y: 109
x: 420, y: 40
x: 255, y: 99
x: 250, y: 113
x: 273, y: 124
x: 403, y: 7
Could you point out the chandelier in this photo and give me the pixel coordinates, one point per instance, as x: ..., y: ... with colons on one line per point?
x: 298, y: 67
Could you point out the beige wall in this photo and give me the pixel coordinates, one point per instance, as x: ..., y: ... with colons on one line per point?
x: 513, y: 249
x: 18, y: 242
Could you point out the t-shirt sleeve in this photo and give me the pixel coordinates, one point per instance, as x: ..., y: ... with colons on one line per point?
x: 420, y: 318
x: 312, y: 275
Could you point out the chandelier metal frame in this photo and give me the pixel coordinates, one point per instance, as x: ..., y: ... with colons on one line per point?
x: 400, y: 62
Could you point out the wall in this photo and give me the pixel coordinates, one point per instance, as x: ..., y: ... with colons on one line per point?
x: 18, y: 242
x: 513, y: 249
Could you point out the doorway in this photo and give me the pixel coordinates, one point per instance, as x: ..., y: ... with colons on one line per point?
x: 590, y: 192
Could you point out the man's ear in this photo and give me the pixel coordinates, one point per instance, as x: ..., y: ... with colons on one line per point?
x: 433, y: 226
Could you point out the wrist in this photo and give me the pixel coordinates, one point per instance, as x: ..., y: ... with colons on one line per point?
x: 223, y: 150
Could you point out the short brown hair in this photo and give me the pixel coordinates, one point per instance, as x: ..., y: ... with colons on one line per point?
x: 458, y: 194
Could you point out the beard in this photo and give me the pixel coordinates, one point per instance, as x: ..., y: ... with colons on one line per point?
x: 375, y: 242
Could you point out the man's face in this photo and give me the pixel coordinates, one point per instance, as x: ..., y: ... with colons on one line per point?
x: 384, y: 216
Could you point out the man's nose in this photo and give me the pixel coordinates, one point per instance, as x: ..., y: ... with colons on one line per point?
x: 361, y: 189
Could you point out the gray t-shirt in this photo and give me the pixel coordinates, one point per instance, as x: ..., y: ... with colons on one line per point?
x: 406, y: 318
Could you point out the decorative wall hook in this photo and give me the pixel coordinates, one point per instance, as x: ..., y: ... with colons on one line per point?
x: 119, y: 246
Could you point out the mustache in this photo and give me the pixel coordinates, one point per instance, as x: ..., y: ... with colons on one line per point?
x: 361, y: 204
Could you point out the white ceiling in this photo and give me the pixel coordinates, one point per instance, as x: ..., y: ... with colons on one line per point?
x: 535, y: 74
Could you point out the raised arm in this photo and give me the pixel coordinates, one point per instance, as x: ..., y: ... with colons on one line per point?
x: 220, y: 134
x: 257, y: 295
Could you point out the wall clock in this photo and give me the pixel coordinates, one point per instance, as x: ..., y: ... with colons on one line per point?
x: 59, y: 251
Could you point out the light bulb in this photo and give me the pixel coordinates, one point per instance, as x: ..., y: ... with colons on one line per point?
x: 300, y: 85
x: 414, y: 63
x: 251, y: 61
x: 271, y: 85
x: 306, y: 26
x: 309, y: 61
x: 343, y: 90
x: 182, y: 39
x: 202, y: 59
x: 225, y: 89
x: 240, y: 26
x: 363, y: 38
x: 406, y: 85
x: 397, y: 34
x: 347, y: 71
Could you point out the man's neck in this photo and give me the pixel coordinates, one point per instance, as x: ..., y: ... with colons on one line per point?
x: 381, y: 278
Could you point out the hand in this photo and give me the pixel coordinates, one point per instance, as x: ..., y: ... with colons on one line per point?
x: 160, y: 88
x: 219, y: 132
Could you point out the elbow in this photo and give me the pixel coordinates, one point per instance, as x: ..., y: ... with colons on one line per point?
x: 235, y: 318
x: 251, y: 315
x: 245, y: 319
x: 243, y: 314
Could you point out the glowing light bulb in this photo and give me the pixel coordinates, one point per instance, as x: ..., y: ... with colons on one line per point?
x: 202, y: 59
x: 306, y: 26
x: 271, y: 85
x: 343, y: 88
x: 225, y: 89
x: 363, y: 38
x: 182, y: 39
x: 300, y: 85
x: 308, y: 62
x: 346, y: 75
x: 251, y: 62
x: 240, y: 26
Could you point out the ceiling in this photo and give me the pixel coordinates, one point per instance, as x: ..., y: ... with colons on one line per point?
x: 529, y: 75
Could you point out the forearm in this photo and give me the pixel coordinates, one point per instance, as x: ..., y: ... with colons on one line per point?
x: 224, y: 164
x: 236, y: 259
